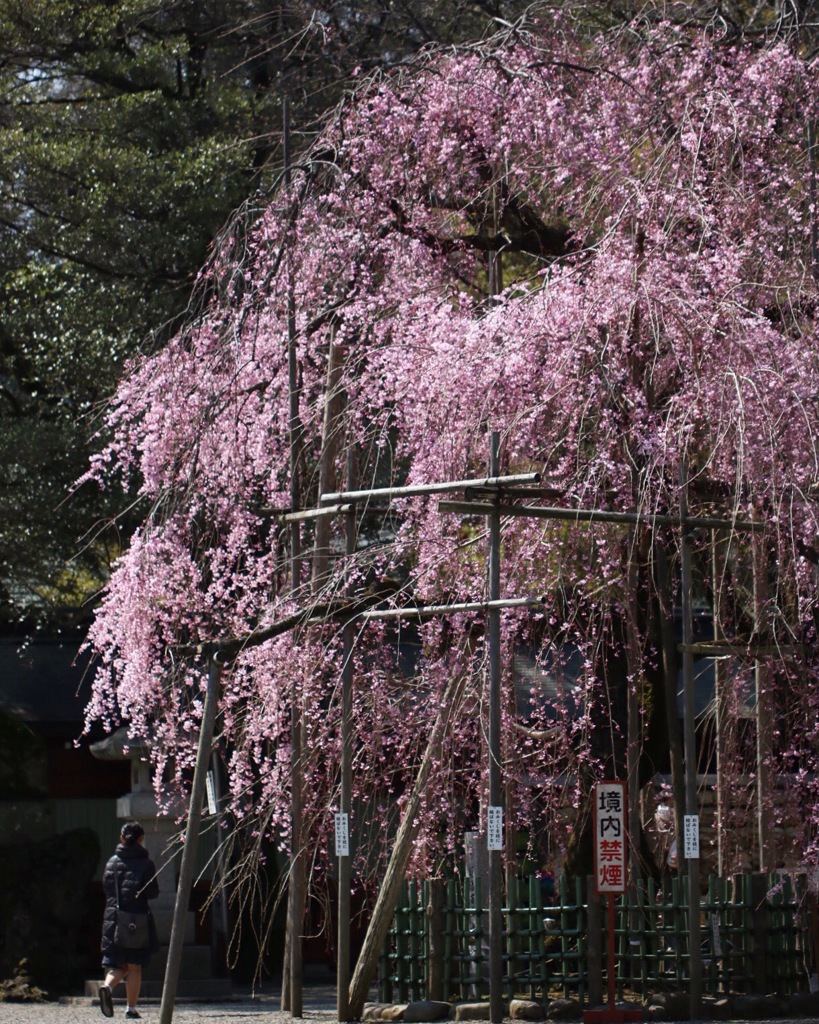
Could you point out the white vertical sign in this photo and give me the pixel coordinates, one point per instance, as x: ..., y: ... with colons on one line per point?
x: 691, y: 836
x: 342, y: 834
x: 494, y: 829
x: 212, y: 808
x: 610, y: 837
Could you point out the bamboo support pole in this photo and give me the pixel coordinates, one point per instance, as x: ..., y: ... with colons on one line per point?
x: 633, y: 737
x: 764, y: 713
x: 331, y: 434
x: 495, y: 774
x: 596, y: 515
x: 187, y: 866
x: 690, y: 745
x: 736, y: 649
x: 416, y: 490
x: 394, y: 875
x: 313, y: 513
x: 430, y: 610
x: 721, y: 720
x: 663, y: 588
x: 292, y: 981
x: 344, y: 866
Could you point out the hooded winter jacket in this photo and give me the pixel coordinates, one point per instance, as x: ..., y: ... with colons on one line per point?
x: 136, y: 878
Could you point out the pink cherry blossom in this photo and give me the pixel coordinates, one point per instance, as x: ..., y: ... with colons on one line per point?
x: 653, y: 197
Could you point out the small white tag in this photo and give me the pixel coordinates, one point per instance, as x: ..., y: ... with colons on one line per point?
x: 342, y: 834
x: 212, y: 808
x: 494, y: 829
x: 691, y: 836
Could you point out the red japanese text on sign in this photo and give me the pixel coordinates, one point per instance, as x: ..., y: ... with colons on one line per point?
x: 610, y: 837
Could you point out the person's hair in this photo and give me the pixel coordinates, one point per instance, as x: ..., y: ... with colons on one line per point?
x: 131, y: 832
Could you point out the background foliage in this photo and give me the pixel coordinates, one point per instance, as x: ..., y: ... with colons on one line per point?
x: 128, y: 133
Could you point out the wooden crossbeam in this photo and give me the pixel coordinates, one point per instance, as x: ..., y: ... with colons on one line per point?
x: 596, y: 515
x: 724, y: 649
x: 414, y: 490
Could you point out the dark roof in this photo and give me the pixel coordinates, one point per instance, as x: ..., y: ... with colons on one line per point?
x: 44, y: 682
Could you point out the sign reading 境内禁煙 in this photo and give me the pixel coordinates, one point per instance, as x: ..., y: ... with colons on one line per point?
x: 610, y: 837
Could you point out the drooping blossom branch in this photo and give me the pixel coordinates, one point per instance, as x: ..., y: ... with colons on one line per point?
x: 649, y: 194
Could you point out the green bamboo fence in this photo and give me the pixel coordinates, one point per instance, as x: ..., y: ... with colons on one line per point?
x: 755, y: 938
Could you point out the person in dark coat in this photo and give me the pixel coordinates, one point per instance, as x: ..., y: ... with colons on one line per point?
x: 133, y: 873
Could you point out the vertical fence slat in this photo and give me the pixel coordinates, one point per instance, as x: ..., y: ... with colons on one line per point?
x: 759, y: 930
x: 595, y: 944
x: 532, y: 935
x: 451, y: 947
x: 436, y: 952
x: 513, y: 936
x: 478, y: 943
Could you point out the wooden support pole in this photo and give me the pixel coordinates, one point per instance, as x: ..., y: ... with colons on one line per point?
x: 428, y: 611
x: 314, y: 513
x: 415, y: 490
x: 331, y: 435
x: 664, y: 595
x: 188, y: 863
x: 222, y: 925
x: 495, y: 775
x: 292, y: 981
x: 721, y: 720
x: 634, y: 735
x: 390, y: 891
x: 690, y: 745
x: 595, y: 515
x: 764, y: 716
x: 344, y: 865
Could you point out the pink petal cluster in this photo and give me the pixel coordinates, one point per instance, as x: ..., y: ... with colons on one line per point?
x: 654, y: 195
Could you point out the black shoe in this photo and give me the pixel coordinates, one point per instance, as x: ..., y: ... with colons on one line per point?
x: 106, y: 1001
x: 133, y: 1015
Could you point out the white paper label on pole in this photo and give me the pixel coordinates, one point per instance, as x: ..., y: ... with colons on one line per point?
x: 212, y: 808
x: 342, y: 834
x: 691, y: 836
x: 494, y: 829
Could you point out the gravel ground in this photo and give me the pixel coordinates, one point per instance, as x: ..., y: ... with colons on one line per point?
x: 238, y: 1011
x: 319, y: 1004
x: 317, y: 1010
x: 81, y: 1011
